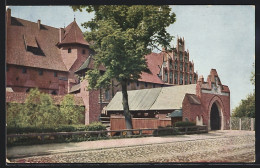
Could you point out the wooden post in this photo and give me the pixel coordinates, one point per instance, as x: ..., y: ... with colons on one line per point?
x: 252, y: 124
x: 140, y: 132
x: 240, y: 124
x: 230, y: 125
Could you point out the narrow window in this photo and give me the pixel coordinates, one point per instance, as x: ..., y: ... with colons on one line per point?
x: 69, y: 50
x: 24, y: 70
x: 107, y: 95
x: 55, y: 74
x: 40, y: 72
x: 83, y: 51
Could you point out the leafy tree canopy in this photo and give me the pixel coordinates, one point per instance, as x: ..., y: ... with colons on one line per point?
x: 121, y: 37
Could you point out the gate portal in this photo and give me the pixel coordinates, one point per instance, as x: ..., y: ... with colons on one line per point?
x: 215, y: 120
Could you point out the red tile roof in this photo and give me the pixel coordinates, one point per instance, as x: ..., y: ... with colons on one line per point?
x: 21, y: 34
x: 154, y: 61
x: 20, y: 97
x: 73, y: 35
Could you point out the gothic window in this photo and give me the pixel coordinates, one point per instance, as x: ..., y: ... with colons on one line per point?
x: 171, y: 77
x: 181, y: 67
x: 190, y: 68
x: 190, y: 79
x: 175, y: 65
x: 107, y: 95
x: 186, y: 79
x: 170, y: 64
x: 165, y: 76
x: 69, y: 50
x: 181, y: 57
x: 181, y: 79
x: 186, y: 58
x: 175, y: 78
x: 195, y: 79
x: 185, y: 68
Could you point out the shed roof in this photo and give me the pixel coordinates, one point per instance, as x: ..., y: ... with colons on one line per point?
x: 176, y: 113
x: 172, y: 97
x: 137, y: 100
x: 165, y: 98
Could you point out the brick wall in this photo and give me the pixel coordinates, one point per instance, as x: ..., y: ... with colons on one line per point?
x: 46, y: 82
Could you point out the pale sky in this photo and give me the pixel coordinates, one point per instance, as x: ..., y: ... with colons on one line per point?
x: 217, y: 36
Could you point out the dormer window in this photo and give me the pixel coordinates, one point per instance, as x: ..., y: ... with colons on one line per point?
x: 32, y: 45
x: 69, y: 50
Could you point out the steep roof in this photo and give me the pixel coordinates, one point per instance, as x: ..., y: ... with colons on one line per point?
x: 154, y: 61
x: 27, y: 45
x: 89, y: 64
x: 20, y: 97
x: 193, y: 99
x: 73, y: 35
x: 165, y: 98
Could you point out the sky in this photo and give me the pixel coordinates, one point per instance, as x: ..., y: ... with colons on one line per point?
x: 217, y: 36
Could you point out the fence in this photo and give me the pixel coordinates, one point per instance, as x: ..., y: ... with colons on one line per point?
x: 242, y: 123
x: 118, y: 123
x: 121, y: 133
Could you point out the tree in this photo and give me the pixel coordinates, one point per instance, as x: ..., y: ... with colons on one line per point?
x: 246, y: 107
x: 14, y: 114
x: 121, y: 37
x: 69, y: 112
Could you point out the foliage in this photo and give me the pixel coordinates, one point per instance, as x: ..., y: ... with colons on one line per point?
x: 40, y: 111
x: 121, y: 36
x: 95, y: 126
x: 184, y: 124
x: 246, y: 107
x: 252, y: 78
x: 71, y: 114
x: 15, y: 115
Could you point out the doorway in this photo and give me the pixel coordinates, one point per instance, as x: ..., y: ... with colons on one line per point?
x: 215, y: 120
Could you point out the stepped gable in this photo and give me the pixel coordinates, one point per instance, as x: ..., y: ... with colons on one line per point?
x: 33, y: 45
x: 154, y: 61
x: 73, y: 35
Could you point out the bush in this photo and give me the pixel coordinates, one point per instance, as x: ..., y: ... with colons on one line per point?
x: 96, y: 126
x: 184, y: 124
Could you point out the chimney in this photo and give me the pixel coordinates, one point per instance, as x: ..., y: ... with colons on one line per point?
x: 39, y: 24
x: 201, y: 79
x: 8, y: 16
x: 61, y: 34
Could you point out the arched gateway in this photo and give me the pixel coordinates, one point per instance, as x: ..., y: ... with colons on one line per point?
x: 215, y: 118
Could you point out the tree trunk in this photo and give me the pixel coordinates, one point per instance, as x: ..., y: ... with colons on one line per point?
x: 127, y: 114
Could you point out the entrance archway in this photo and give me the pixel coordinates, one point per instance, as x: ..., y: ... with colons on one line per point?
x: 215, y: 119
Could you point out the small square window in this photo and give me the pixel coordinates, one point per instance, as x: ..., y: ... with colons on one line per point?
x: 55, y: 74
x: 69, y: 50
x: 40, y: 72
x: 24, y: 70
x: 83, y: 52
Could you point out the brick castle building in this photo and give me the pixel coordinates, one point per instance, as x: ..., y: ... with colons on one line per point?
x: 53, y: 60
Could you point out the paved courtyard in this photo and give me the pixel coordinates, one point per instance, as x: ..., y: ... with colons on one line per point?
x: 216, y: 146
